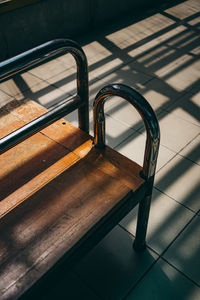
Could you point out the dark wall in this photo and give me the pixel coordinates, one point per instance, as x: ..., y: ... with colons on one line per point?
x: 29, y: 26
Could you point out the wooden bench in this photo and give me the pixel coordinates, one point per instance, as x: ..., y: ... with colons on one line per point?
x: 61, y: 190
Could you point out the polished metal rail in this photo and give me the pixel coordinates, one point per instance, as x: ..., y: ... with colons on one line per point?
x: 151, y: 148
x: 32, y: 57
x: 147, y: 114
x: 38, y: 124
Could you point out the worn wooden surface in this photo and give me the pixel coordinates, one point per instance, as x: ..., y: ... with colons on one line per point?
x: 54, y: 188
x: 29, y: 165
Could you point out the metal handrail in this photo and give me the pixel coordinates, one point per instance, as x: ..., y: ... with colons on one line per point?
x: 147, y: 114
x: 28, y: 59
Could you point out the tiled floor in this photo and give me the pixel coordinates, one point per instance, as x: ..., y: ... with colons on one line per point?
x: 159, y: 55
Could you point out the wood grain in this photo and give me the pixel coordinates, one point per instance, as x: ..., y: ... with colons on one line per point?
x: 61, y: 131
x: 69, y: 187
x: 29, y: 165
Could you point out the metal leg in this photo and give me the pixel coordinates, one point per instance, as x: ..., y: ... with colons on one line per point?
x: 151, y: 148
x: 142, y: 222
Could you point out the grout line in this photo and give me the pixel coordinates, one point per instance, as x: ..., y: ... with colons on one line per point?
x: 179, y: 117
x: 178, y: 154
x: 9, y: 96
x: 164, y: 259
x: 147, y: 246
x: 194, y: 162
x: 148, y: 269
x: 124, y: 228
x: 186, y: 225
x: 188, y: 208
x: 141, y: 278
x: 124, y: 140
x: 185, y: 147
x: 175, y: 154
x: 160, y: 257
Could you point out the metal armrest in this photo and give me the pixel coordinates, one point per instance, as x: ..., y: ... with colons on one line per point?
x: 147, y: 114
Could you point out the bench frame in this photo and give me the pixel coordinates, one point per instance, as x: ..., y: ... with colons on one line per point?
x: 48, y: 50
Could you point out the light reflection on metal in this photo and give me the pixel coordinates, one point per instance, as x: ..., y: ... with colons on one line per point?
x: 145, y: 111
x: 38, y: 124
x: 37, y: 55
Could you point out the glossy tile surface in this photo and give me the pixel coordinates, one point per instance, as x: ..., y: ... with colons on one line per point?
x: 184, y: 252
x: 167, y: 219
x: 179, y: 179
x: 164, y: 282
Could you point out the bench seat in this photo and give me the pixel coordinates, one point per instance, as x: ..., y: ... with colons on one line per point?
x: 57, y: 192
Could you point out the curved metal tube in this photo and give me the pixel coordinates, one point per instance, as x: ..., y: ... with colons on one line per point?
x: 147, y: 114
x: 43, y: 52
x: 24, y: 132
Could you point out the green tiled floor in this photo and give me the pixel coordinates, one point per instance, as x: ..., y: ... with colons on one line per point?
x: 159, y: 55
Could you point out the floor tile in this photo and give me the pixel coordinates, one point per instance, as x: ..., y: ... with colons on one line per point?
x: 158, y: 97
x: 180, y: 41
x: 119, y: 108
x: 43, y: 93
x: 195, y: 20
x: 103, y: 63
x: 116, y: 50
x: 116, y: 132
x: 195, y: 50
x: 105, y: 68
x: 96, y: 52
x: 19, y: 83
x: 192, y: 150
x: 4, y: 99
x: 131, y: 77
x: 184, y: 10
x: 122, y: 111
x: 140, y: 30
x: 159, y: 94
x: 65, y: 81
x: 67, y: 61
x: 190, y: 44
x: 48, y: 69
x: 187, y: 107
x: 196, y: 91
x: 124, y: 75
x: 113, y: 267
x: 180, y: 180
x: 175, y: 132
x: 172, y: 67
x: 184, y: 252
x: 134, y: 146
x: 153, y: 50
x: 170, y: 56
x: 164, y: 282
x: 185, y: 76
x: 167, y: 219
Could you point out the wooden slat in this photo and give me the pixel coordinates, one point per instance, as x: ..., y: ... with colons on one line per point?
x: 36, y: 161
x: 112, y: 163
x: 53, y: 220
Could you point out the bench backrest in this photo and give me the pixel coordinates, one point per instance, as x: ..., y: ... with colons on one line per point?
x: 37, y: 55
